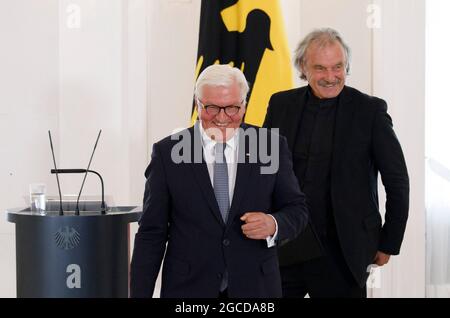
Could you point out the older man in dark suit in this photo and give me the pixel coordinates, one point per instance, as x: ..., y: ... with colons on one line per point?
x: 340, y: 139
x: 216, y: 202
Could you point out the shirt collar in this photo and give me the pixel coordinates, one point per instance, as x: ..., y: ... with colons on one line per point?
x: 313, y: 99
x: 209, y: 143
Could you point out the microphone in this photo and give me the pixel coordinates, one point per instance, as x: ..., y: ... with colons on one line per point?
x: 57, y: 178
x: 77, y: 210
x: 103, y: 205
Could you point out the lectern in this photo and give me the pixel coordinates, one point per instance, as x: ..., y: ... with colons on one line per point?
x: 70, y: 255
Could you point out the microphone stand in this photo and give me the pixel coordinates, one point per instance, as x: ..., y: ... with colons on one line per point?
x: 103, y: 205
x: 57, y: 178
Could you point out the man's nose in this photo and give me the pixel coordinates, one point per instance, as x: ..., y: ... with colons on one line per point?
x: 330, y: 76
x: 221, y: 115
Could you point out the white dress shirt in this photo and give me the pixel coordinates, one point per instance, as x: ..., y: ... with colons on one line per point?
x: 231, y: 156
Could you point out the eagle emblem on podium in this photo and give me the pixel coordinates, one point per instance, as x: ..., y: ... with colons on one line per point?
x: 67, y: 238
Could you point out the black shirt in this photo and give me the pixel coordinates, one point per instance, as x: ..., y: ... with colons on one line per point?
x: 312, y: 160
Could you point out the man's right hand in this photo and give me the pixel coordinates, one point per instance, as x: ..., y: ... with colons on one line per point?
x: 258, y: 225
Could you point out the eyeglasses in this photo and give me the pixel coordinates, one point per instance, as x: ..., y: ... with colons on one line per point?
x: 214, y: 110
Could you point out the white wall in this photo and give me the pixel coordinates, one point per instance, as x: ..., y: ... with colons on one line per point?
x: 28, y: 108
x: 437, y: 199
x: 173, y: 39
x: 128, y: 68
x: 73, y: 78
x: 102, y: 86
x: 399, y: 77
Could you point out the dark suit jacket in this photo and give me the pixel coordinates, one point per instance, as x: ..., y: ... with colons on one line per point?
x: 364, y: 144
x: 180, y: 210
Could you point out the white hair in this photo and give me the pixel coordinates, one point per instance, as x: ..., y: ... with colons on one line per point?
x: 322, y: 37
x: 222, y: 75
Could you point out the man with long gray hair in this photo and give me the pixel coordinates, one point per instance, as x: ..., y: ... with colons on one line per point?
x: 340, y: 140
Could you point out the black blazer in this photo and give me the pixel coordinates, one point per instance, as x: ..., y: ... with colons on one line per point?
x: 180, y: 210
x: 364, y: 144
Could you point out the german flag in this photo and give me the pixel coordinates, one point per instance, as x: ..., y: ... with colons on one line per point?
x: 250, y: 35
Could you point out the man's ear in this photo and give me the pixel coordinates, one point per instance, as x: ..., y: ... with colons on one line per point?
x: 302, y: 67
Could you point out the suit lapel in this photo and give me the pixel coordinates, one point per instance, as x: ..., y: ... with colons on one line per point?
x: 242, y: 176
x: 343, y: 125
x: 202, y: 175
x: 293, y: 116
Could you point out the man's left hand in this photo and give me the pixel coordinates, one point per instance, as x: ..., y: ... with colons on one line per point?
x: 381, y: 258
x: 258, y: 225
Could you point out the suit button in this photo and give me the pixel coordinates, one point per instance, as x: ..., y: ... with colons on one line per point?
x: 226, y: 242
x: 219, y: 275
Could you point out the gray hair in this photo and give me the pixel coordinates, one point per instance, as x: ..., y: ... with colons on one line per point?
x: 322, y: 37
x: 222, y: 75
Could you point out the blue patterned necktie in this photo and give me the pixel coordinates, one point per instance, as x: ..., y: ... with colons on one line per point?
x: 221, y: 189
x: 222, y: 192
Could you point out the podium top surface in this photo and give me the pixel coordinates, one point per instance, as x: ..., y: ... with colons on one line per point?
x: 127, y: 213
